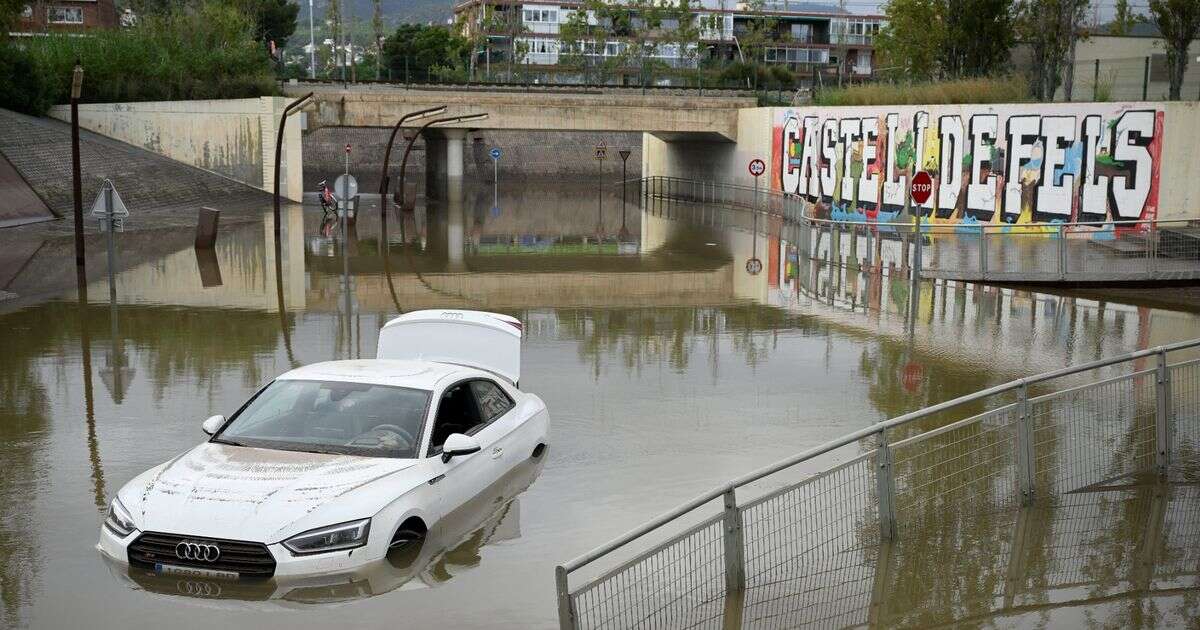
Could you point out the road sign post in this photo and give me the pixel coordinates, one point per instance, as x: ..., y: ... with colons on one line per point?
x: 919, y: 192
x: 495, y: 153
x: 753, y: 266
x: 624, y: 153
x: 601, y: 153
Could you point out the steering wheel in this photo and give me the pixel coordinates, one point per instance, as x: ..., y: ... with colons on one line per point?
x: 403, y: 433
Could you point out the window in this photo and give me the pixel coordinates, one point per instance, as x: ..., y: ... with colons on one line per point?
x: 457, y: 413
x: 64, y: 15
x: 493, y: 402
x: 331, y: 417
x: 467, y: 408
x: 540, y: 15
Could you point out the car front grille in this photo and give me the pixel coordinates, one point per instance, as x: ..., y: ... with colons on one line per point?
x: 248, y: 559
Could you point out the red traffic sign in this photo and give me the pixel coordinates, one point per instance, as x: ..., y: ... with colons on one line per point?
x: 347, y: 148
x: 922, y: 187
x: 912, y: 376
x: 753, y: 266
x: 757, y: 167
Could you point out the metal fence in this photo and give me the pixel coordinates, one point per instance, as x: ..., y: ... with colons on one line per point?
x: 1129, y: 79
x: 807, y: 543
x: 1080, y: 251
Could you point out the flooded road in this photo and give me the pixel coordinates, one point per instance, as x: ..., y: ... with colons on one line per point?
x: 666, y: 366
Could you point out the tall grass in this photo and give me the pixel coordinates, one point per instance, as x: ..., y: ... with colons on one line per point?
x: 1009, y: 89
x: 192, y: 52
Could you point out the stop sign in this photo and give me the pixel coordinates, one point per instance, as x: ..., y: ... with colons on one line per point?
x: 922, y: 187
x: 912, y: 375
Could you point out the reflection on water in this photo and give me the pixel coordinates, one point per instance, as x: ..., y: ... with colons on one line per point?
x: 494, y: 516
x: 666, y: 366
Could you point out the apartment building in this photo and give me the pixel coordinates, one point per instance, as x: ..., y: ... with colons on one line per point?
x: 814, y: 41
x: 65, y: 16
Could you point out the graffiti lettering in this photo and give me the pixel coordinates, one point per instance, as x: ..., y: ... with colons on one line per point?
x: 999, y: 163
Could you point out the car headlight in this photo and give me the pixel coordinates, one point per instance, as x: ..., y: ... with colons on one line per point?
x: 117, y: 520
x: 332, y: 538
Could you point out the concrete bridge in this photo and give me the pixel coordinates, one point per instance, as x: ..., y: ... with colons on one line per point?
x: 669, y: 117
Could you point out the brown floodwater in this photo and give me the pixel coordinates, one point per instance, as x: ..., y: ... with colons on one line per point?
x: 667, y: 368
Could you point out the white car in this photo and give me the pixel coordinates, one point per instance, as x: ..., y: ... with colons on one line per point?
x: 331, y: 465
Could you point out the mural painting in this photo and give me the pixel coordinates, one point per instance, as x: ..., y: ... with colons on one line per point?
x: 991, y: 164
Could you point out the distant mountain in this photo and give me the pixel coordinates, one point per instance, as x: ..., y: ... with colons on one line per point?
x: 394, y: 11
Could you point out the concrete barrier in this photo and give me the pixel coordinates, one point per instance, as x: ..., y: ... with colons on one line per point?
x: 234, y: 138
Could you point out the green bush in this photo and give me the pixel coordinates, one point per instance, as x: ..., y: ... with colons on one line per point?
x: 191, y: 52
x: 25, y: 88
x: 1009, y: 89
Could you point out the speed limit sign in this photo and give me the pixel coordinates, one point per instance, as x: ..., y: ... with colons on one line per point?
x: 757, y: 167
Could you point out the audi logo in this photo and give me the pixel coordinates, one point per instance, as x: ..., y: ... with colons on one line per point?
x: 196, y: 551
x: 198, y: 589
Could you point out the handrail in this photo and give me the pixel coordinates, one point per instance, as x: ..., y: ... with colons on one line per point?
x: 663, y: 519
x: 908, y: 225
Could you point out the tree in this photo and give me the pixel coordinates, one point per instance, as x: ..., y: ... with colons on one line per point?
x: 1124, y: 19
x: 978, y: 37
x: 9, y: 10
x: 1051, y: 28
x: 910, y: 42
x: 1178, y: 21
x: 946, y: 39
x: 274, y: 20
x: 423, y: 53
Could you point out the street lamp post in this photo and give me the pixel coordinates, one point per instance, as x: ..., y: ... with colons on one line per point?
x: 387, y: 154
x: 312, y: 48
x: 292, y: 108
x: 76, y: 176
x: 450, y: 120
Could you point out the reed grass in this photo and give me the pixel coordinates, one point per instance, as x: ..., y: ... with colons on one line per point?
x: 1006, y: 89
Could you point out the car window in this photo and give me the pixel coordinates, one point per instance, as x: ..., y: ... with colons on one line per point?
x: 332, y: 417
x: 493, y: 402
x: 457, y: 413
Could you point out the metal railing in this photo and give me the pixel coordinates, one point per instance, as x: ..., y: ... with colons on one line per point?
x: 1079, y: 251
x: 990, y: 451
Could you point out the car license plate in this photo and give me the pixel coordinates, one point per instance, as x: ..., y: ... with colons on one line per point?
x: 174, y: 569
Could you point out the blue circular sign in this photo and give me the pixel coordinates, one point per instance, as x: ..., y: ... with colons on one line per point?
x: 495, y: 153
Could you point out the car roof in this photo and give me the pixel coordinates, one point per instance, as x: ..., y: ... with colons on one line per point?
x: 396, y: 373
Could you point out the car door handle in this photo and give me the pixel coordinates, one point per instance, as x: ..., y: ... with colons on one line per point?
x: 497, y: 452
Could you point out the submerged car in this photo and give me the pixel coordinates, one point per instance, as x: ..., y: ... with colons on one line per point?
x: 331, y: 465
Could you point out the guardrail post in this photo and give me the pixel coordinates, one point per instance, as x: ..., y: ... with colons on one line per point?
x: 566, y: 613
x: 735, y: 564
x: 1062, y: 252
x: 885, y: 481
x: 983, y: 254
x: 1162, y: 417
x: 1025, y: 454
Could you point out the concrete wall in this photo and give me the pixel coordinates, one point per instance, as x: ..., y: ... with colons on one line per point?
x: 1150, y: 175
x: 381, y: 106
x: 527, y: 155
x: 713, y: 161
x: 234, y: 138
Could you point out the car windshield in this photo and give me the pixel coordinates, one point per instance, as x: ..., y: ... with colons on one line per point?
x: 331, y: 417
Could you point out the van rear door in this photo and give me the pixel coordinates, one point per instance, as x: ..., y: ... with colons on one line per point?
x: 487, y: 341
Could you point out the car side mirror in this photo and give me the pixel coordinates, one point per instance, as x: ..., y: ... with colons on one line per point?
x: 458, y: 444
x: 213, y: 424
